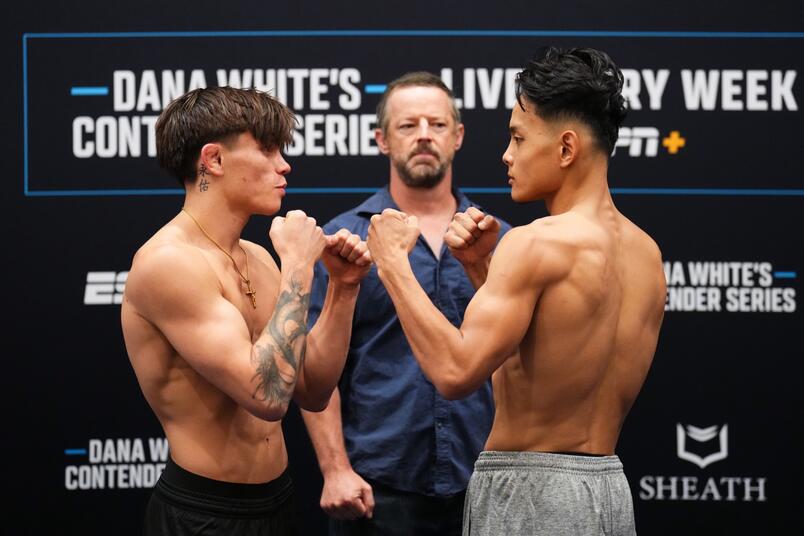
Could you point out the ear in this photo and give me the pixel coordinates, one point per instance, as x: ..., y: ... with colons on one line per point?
x: 379, y: 137
x: 459, y: 138
x: 570, y: 148
x: 211, y: 158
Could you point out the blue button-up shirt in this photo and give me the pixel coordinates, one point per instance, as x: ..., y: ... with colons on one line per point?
x: 397, y: 428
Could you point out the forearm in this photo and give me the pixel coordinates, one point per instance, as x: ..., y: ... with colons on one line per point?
x: 278, y: 355
x: 477, y: 272
x: 437, y: 345
x: 327, y: 346
x: 326, y: 433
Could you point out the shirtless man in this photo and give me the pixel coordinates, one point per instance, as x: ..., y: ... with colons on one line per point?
x: 568, y: 316
x: 216, y: 333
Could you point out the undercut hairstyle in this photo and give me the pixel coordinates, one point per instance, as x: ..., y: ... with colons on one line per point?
x: 577, y: 83
x: 414, y: 79
x: 217, y: 114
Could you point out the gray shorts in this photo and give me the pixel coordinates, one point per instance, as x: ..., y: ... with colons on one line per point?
x: 527, y: 493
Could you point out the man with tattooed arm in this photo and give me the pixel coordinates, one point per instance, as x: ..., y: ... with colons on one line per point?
x: 217, y: 333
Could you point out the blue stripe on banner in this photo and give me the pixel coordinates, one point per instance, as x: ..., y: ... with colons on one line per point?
x: 75, y: 452
x: 784, y: 275
x: 25, y: 112
x: 87, y: 91
x: 469, y: 189
x: 432, y: 33
x: 709, y: 191
x: 374, y: 88
x: 75, y: 193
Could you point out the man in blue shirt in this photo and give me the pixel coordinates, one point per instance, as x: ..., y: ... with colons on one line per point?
x: 395, y: 455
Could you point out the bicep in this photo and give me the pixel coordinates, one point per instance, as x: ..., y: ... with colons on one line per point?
x: 205, y: 329
x: 498, y: 317
x: 500, y: 314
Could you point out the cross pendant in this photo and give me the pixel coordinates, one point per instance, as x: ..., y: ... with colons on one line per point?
x: 251, y: 293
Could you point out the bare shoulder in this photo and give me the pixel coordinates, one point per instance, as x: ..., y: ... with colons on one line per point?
x: 642, y: 243
x: 543, y: 249
x: 166, y: 267
x: 644, y: 264
x: 261, y: 255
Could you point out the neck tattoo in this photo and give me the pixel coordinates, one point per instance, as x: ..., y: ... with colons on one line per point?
x: 250, y: 292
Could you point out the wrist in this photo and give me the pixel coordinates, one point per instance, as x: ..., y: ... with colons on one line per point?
x: 334, y: 467
x: 293, y: 263
x: 344, y: 289
x: 477, y: 266
x: 387, y: 263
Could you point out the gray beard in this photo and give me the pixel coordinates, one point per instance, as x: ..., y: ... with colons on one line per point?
x: 425, y: 177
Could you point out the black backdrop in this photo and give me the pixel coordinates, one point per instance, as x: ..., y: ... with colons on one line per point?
x: 713, y: 444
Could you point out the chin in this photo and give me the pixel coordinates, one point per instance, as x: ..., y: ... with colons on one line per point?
x: 268, y: 210
x: 518, y: 196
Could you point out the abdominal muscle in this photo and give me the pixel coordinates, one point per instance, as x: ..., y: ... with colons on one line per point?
x: 210, y: 435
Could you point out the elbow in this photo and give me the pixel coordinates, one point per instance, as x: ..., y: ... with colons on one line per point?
x: 315, y: 406
x: 313, y: 402
x: 454, y: 386
x: 271, y: 412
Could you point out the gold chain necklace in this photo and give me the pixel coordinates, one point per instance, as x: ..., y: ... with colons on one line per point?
x: 250, y: 292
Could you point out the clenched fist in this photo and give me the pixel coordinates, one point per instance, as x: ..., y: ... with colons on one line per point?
x: 296, y: 238
x: 471, y: 236
x: 346, y: 257
x: 391, y: 236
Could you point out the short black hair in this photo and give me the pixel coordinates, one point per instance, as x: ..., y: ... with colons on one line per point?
x: 575, y: 83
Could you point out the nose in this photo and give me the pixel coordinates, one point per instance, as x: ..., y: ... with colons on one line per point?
x: 507, y: 157
x: 283, y: 168
x: 423, y: 132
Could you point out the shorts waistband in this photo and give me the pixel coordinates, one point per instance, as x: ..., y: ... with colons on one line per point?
x: 491, y: 460
x: 181, y: 488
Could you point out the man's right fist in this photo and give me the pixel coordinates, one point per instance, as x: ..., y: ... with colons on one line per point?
x: 472, y: 236
x: 347, y: 496
x: 297, y: 238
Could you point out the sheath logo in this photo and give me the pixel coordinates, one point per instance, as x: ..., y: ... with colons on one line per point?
x: 105, y: 288
x: 702, y: 435
x: 702, y: 447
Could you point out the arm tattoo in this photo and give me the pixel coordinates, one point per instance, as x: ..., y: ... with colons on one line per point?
x: 288, y: 329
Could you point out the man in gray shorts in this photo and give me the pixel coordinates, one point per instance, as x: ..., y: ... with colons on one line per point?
x: 566, y: 318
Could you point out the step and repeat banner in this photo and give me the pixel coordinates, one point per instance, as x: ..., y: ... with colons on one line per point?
x: 708, y: 162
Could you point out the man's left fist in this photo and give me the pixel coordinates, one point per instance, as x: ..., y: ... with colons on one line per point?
x: 392, y: 235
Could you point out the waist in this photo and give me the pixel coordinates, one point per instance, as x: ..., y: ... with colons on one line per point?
x: 492, y: 460
x: 188, y: 490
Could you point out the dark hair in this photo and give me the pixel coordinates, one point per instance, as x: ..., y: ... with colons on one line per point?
x: 213, y: 114
x: 418, y: 78
x: 575, y: 83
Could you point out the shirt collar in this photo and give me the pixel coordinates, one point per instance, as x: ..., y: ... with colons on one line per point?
x: 382, y: 200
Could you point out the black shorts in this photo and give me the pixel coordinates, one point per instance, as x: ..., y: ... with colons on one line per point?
x: 186, y: 503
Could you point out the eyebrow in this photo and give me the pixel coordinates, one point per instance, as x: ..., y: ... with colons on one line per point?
x: 513, y: 128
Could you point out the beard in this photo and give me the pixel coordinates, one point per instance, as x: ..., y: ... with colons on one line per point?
x: 423, y: 176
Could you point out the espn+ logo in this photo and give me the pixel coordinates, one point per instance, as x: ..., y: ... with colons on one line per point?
x: 105, y: 288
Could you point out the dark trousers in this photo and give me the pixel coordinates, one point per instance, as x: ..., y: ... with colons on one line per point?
x: 401, y: 513
x: 184, y: 503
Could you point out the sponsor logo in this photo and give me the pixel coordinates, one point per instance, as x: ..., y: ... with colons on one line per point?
x: 644, y: 141
x: 702, y: 435
x: 105, y: 288
x: 702, y: 447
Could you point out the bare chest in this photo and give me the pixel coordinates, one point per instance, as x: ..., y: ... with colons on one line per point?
x: 255, y: 298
